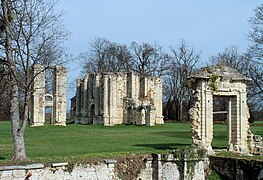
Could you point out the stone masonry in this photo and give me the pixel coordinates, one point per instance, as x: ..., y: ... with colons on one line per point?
x: 118, y: 98
x: 156, y: 166
x: 40, y: 100
x: 221, y: 81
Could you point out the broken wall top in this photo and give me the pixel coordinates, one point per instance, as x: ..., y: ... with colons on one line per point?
x: 117, y: 74
x: 224, y: 72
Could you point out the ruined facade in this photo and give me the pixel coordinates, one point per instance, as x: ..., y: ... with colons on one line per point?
x: 40, y: 100
x: 221, y: 81
x: 118, y: 98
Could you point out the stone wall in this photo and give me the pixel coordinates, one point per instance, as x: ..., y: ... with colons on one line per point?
x: 118, y: 98
x: 162, y: 167
x: 231, y: 168
x: 155, y: 167
x: 58, y: 171
x: 185, y: 165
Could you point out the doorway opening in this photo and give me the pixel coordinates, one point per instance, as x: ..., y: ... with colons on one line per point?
x: 220, y: 122
x: 49, y: 109
x: 49, y: 115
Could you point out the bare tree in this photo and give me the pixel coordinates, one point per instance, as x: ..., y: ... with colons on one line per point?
x: 104, y: 55
x: 256, y: 34
x: 255, y: 54
x: 148, y: 60
x: 94, y: 59
x: 229, y: 57
x: 33, y: 34
x: 144, y: 59
x: 176, y: 90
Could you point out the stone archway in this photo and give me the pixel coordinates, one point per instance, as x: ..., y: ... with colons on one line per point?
x: 220, y: 81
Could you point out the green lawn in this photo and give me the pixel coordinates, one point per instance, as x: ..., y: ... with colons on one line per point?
x: 220, y: 134
x: 75, y: 142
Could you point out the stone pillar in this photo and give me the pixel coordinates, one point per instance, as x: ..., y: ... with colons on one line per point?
x: 132, y: 86
x: 38, y: 96
x: 97, y: 94
x: 208, y: 136
x: 59, y: 95
x: 78, y: 94
x: 125, y: 97
x: 244, y: 125
x: 113, y: 101
x: 152, y: 115
x: 229, y: 124
x: 158, y: 101
x: 143, y: 87
x: 203, y: 114
x: 106, y: 100
x: 85, y: 96
x: 235, y: 123
x: 109, y: 103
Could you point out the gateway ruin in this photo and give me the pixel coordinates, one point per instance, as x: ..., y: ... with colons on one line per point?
x: 40, y: 100
x: 118, y: 98
x: 222, y: 81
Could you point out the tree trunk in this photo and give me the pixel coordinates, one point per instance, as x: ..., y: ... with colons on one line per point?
x: 19, y: 146
x: 18, y: 133
x: 18, y: 128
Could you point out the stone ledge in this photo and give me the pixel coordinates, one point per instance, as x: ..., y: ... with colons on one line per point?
x: 59, y: 164
x: 110, y: 161
x: 26, y: 167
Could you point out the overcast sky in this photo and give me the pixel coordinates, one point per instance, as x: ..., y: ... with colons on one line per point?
x: 209, y: 26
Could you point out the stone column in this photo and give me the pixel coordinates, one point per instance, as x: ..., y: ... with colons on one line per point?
x: 229, y: 120
x: 203, y: 114
x: 209, y: 120
x: 236, y: 123
x: 59, y: 95
x: 38, y: 96
x: 110, y: 101
x: 133, y: 87
x: 85, y: 97
x: 244, y: 125
x: 113, y: 101
x: 158, y: 101
x: 105, y: 100
x: 97, y: 94
x: 233, y: 123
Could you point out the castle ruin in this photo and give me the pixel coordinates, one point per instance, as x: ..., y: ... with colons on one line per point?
x: 223, y: 81
x: 40, y: 99
x: 118, y: 98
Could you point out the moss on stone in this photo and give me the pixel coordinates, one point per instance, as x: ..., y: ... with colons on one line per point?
x: 212, y: 82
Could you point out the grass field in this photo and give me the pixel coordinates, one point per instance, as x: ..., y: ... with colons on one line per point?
x: 75, y: 142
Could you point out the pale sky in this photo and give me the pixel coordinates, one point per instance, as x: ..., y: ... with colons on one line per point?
x: 209, y: 26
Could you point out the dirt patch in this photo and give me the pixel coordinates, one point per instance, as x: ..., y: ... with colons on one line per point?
x: 129, y: 167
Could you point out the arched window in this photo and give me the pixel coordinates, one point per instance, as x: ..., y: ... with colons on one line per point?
x: 48, y: 98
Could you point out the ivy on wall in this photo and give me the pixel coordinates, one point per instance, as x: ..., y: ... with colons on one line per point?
x: 212, y: 82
